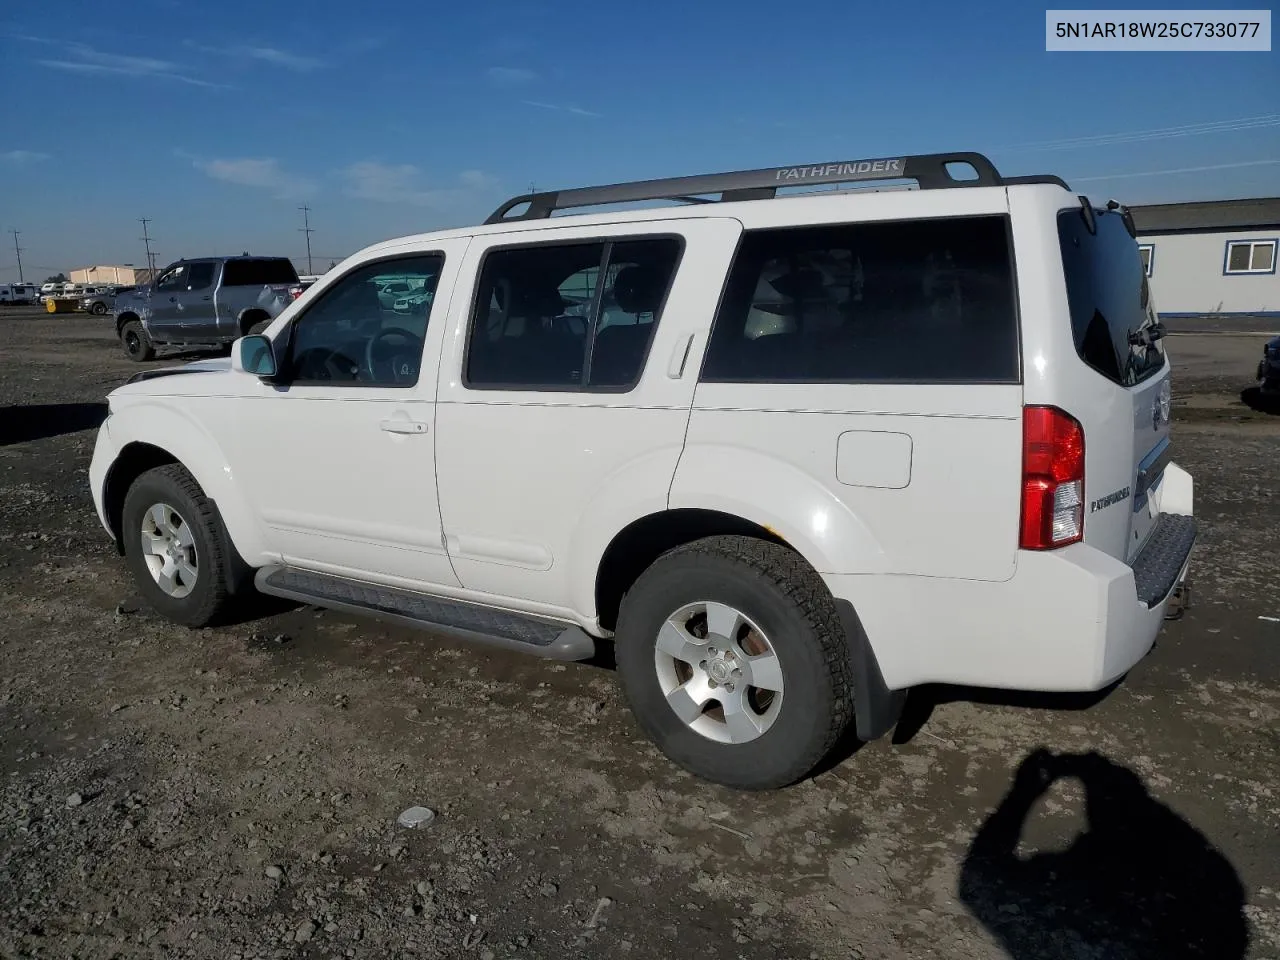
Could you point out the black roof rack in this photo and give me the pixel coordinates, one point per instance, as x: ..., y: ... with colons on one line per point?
x: 930, y: 171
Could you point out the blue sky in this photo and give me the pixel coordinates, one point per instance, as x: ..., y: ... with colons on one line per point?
x: 218, y: 121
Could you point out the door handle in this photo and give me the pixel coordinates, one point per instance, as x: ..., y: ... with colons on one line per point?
x: 206, y: 298
x: 675, y: 369
x: 403, y: 425
x: 173, y: 299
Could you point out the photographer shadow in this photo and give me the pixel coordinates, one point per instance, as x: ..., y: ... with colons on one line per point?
x: 1140, y: 882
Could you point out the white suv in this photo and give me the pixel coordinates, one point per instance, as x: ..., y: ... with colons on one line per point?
x: 793, y: 455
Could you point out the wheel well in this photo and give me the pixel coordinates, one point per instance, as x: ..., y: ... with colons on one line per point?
x: 122, y: 319
x: 641, y: 543
x: 250, y: 317
x: 134, y: 460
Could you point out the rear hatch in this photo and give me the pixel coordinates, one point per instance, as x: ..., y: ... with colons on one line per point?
x: 1118, y: 335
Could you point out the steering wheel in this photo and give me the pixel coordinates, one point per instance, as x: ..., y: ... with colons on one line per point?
x: 402, y: 362
x: 319, y: 363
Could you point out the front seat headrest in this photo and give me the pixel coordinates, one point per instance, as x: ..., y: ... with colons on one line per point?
x: 639, y: 289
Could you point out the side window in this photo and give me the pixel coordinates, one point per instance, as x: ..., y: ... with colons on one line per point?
x: 920, y: 301
x: 175, y: 278
x: 369, y: 327
x: 200, y: 276
x: 572, y: 316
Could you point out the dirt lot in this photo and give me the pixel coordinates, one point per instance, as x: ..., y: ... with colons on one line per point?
x: 234, y: 792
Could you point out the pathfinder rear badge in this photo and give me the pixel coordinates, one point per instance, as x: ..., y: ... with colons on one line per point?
x: 1111, y: 498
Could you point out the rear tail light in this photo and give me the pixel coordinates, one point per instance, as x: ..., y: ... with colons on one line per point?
x: 1052, y: 479
x: 295, y: 292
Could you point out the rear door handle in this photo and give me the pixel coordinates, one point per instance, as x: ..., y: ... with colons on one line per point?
x: 675, y: 368
x: 403, y: 425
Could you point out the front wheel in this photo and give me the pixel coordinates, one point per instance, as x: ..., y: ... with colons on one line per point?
x: 173, y: 549
x: 98, y: 309
x: 732, y: 656
x: 137, y: 345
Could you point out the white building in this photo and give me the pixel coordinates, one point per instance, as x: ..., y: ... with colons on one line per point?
x: 127, y: 275
x: 1213, y: 257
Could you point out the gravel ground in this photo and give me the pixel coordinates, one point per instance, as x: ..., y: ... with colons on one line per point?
x: 233, y: 792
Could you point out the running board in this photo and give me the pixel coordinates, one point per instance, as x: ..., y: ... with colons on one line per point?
x: 456, y: 618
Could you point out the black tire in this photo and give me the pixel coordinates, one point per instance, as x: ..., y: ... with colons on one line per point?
x: 137, y: 345
x: 98, y: 309
x: 776, y: 589
x: 209, y: 598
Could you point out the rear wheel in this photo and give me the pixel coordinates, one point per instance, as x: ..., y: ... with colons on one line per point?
x: 137, y: 345
x: 173, y: 548
x: 732, y: 656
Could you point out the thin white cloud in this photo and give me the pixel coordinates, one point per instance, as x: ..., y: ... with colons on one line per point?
x: 405, y: 184
x: 23, y: 156
x: 563, y: 108
x: 80, y: 58
x: 510, y: 76
x: 263, y: 173
x: 263, y: 54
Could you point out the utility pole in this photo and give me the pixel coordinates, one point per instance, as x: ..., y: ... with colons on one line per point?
x: 146, y: 239
x: 306, y: 228
x: 18, y: 252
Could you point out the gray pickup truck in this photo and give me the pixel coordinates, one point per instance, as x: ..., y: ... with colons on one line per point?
x: 206, y: 302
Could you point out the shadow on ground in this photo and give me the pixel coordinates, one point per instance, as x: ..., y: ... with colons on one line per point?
x: 1139, y: 882
x: 1260, y: 402
x: 23, y: 423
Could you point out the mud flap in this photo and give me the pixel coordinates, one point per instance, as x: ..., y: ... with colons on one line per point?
x: 876, y: 708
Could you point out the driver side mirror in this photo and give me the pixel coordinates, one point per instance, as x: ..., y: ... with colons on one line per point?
x: 254, y: 355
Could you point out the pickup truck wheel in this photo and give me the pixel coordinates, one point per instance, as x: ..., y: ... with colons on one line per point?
x: 98, y: 309
x: 731, y: 653
x: 172, y: 547
x: 136, y: 343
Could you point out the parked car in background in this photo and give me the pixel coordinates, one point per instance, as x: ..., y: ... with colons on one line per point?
x: 1269, y: 367
x: 101, y: 301
x: 206, y: 302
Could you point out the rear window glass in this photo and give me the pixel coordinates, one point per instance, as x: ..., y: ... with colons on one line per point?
x: 1112, y: 316
x: 918, y: 301
x: 243, y: 273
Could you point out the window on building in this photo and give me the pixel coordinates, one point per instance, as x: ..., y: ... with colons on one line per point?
x: 916, y: 301
x: 1148, y: 253
x: 568, y: 316
x: 1250, y: 256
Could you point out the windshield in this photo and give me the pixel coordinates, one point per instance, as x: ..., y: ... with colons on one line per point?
x: 1112, y: 317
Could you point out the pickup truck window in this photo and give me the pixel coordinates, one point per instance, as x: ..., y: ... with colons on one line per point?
x: 258, y: 272
x: 355, y: 335
x: 173, y: 279
x: 201, y: 276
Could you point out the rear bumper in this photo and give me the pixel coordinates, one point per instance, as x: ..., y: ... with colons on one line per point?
x: 1069, y: 620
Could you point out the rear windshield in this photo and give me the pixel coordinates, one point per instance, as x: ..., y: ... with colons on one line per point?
x: 1112, y: 317
x: 244, y: 273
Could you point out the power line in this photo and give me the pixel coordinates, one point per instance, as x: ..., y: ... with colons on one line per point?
x: 146, y: 239
x: 17, y: 250
x: 1161, y: 173
x: 306, y: 228
x: 1159, y: 133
